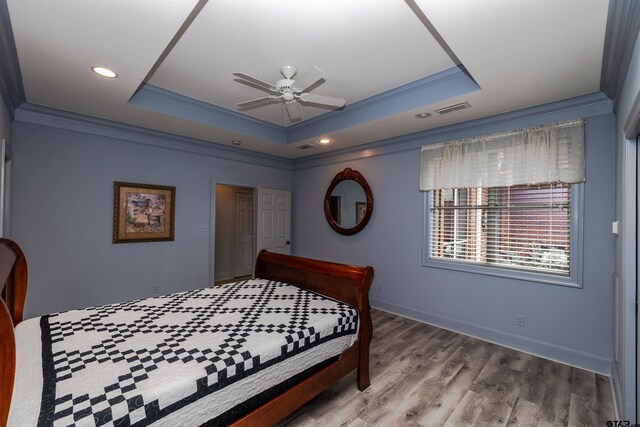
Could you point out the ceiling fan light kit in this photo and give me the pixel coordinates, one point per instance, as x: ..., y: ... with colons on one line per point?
x: 290, y: 91
x: 288, y: 71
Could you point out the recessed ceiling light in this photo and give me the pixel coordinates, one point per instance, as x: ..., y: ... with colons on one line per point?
x: 236, y: 142
x: 104, y: 72
x: 422, y: 115
x: 324, y: 141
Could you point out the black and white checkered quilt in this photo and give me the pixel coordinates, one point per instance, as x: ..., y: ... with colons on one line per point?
x: 149, y: 361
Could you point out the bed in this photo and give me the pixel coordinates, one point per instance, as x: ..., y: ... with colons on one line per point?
x: 244, y: 354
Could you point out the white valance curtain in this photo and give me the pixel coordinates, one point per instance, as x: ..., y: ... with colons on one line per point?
x: 549, y: 153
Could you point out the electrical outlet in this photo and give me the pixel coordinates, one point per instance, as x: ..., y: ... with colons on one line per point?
x: 520, y: 320
x: 377, y: 288
x: 156, y: 289
x: 204, y: 228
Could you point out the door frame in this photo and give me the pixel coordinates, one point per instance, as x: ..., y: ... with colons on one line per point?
x: 630, y: 396
x: 6, y: 155
x: 636, y: 324
x: 212, y: 220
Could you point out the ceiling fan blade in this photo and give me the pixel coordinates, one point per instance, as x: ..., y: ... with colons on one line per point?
x: 257, y: 101
x: 322, y: 100
x: 257, y: 82
x: 294, y: 111
x: 308, y: 79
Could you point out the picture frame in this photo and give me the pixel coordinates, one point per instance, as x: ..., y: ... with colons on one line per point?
x: 143, y: 212
x: 361, y: 210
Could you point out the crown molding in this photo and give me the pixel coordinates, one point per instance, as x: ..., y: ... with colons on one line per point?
x: 428, y: 90
x: 585, y: 106
x: 442, y: 85
x: 61, y: 119
x: 623, y: 27
x: 165, y: 101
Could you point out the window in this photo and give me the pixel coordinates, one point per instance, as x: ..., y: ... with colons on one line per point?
x: 524, y: 227
x: 507, y: 204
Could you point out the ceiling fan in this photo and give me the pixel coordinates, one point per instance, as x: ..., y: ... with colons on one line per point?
x: 290, y: 91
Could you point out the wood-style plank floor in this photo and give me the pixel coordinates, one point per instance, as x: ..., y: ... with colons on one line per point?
x: 422, y: 375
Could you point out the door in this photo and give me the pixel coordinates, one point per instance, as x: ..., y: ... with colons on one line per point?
x: 274, y: 221
x: 5, y: 179
x: 243, y: 234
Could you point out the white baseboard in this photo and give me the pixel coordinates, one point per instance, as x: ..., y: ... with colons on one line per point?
x: 616, y: 392
x: 566, y: 355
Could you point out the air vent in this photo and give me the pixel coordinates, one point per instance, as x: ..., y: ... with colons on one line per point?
x: 305, y: 146
x: 452, y: 108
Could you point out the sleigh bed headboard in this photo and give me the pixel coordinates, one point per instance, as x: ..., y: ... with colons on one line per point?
x: 346, y: 283
x: 13, y: 276
x: 13, y: 279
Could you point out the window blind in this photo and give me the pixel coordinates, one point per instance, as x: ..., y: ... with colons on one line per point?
x: 549, y: 153
x: 523, y: 227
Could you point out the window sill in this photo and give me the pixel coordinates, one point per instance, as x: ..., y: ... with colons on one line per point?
x: 508, y: 273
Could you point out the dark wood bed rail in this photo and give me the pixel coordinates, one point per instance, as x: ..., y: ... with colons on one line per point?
x: 13, y: 277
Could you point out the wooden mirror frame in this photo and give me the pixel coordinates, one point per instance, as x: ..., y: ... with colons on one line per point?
x: 345, y: 175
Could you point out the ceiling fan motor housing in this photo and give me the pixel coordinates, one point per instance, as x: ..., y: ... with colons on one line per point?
x: 285, y: 85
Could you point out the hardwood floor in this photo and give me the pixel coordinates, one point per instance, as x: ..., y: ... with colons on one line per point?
x: 422, y: 375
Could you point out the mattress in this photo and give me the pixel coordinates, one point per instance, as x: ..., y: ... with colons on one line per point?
x: 202, y: 356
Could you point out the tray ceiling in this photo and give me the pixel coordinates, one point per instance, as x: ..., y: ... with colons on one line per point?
x: 390, y: 59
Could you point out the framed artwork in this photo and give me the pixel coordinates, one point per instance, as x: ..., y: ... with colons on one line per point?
x: 361, y: 210
x: 143, y: 212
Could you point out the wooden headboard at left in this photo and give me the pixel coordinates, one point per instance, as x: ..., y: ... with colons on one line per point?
x: 13, y: 279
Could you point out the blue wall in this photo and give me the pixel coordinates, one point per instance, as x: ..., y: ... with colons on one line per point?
x: 62, y: 215
x: 625, y: 367
x: 63, y: 209
x: 567, y: 324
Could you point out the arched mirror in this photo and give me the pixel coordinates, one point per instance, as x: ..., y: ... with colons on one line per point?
x: 348, y: 203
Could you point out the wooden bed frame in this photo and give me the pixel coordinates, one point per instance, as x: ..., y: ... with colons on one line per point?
x: 345, y: 283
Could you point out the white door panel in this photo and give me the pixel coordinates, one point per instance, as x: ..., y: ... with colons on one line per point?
x: 274, y: 227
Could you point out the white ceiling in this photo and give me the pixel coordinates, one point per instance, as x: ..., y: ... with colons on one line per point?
x: 520, y: 52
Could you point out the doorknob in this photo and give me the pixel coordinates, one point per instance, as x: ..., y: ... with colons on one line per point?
x: 288, y: 243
